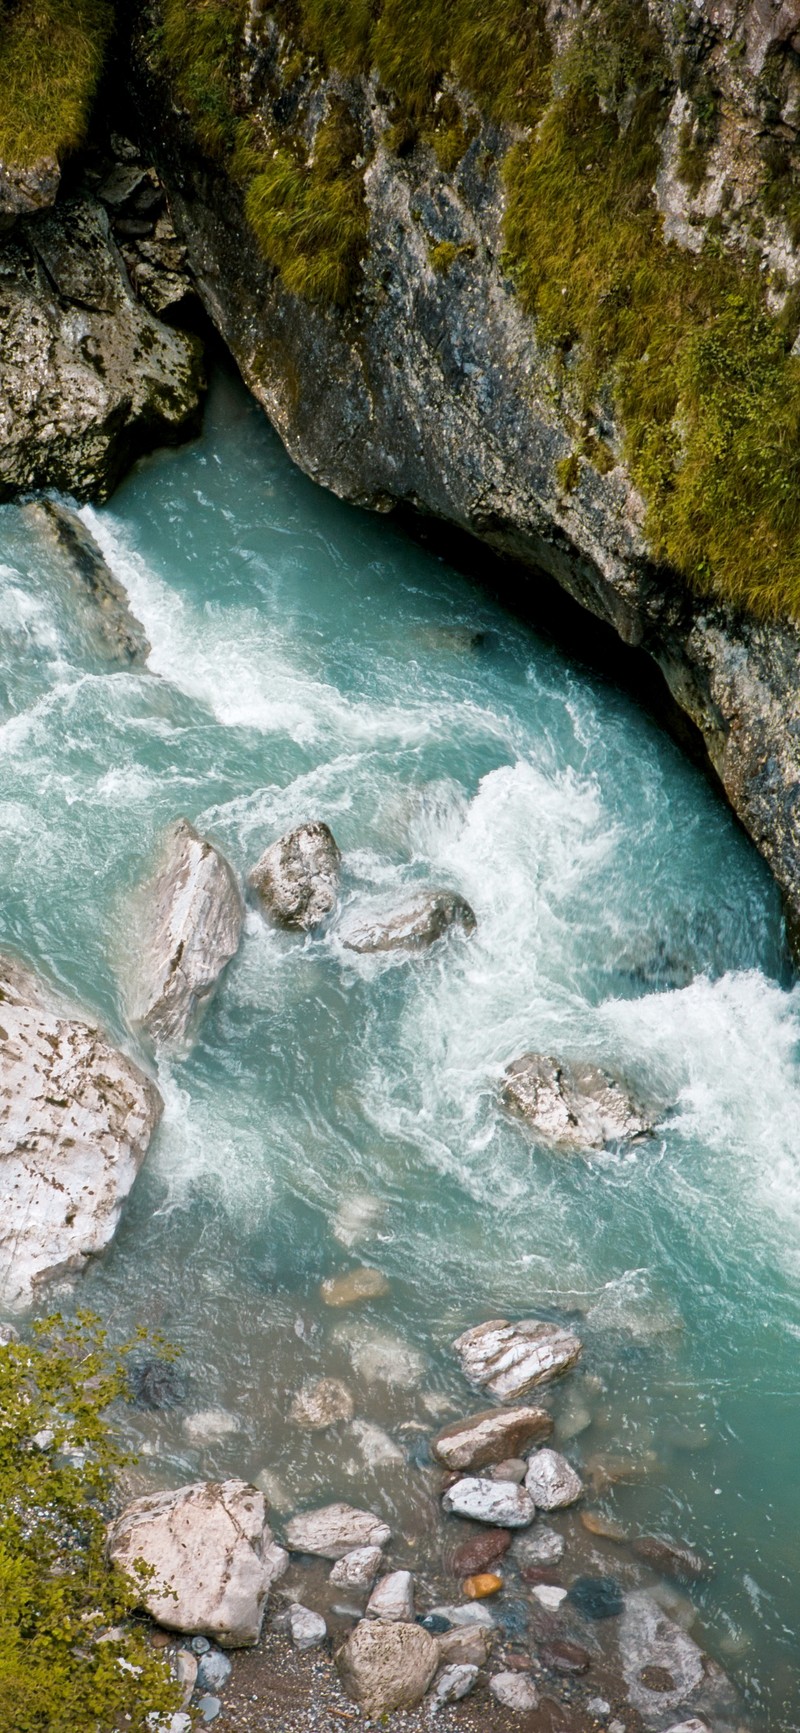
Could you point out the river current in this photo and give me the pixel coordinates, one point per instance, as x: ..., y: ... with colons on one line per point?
x: 308, y: 661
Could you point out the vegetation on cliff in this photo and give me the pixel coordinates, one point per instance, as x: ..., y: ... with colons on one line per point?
x: 51, y: 57
x: 66, y: 1659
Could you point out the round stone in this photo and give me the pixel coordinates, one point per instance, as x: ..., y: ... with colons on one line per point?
x: 478, y: 1587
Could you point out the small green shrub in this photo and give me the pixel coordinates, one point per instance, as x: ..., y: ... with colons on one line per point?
x: 69, y: 1656
x: 51, y: 57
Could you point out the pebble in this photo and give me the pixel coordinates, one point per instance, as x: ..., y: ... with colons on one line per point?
x: 393, y: 1598
x: 476, y: 1555
x: 436, y: 1623
x: 209, y: 1707
x: 471, y: 1646
x: 214, y: 1670
x: 307, y: 1629
x: 603, y: 1526
x: 347, y: 1290
x: 514, y: 1469
x: 549, y: 1595
x: 498, y: 1502
x: 552, y: 1481
x: 185, y: 1667
x: 513, y: 1618
x: 323, y: 1403
x: 358, y: 1569
x: 454, y: 1682
x: 597, y: 1597
x: 473, y: 1613
x: 201, y: 1645
x: 514, y: 1691
x: 598, y: 1707
x: 477, y: 1588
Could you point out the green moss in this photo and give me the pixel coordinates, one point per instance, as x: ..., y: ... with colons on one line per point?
x: 692, y: 163
x: 70, y: 1657
x: 200, y: 41
x: 443, y: 254
x: 568, y: 471
x: 310, y: 219
x: 51, y: 56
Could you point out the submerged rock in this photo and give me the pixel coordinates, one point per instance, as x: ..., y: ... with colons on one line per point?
x: 306, y: 1629
x: 572, y: 1106
x: 674, y: 1561
x: 385, y: 1666
x: 323, y: 1403
x: 105, y: 605
x: 192, y: 916
x: 296, y: 880
x: 156, y: 1384
x: 596, y: 1597
x: 468, y: 1646
x: 454, y: 1682
x: 491, y: 1436
x: 662, y: 1666
x: 542, y: 1547
x: 76, y: 1119
x: 483, y: 1550
x: 355, y: 1285
x: 419, y: 922
x: 510, y: 1359
x: 552, y: 1481
x: 212, y: 1555
x: 335, y: 1530
x: 500, y: 1502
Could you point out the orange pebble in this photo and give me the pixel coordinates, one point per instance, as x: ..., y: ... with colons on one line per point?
x: 477, y: 1588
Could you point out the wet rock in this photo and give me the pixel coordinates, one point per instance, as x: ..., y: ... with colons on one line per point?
x: 471, y: 1613
x: 572, y: 1106
x: 209, y: 1707
x: 357, y: 1285
x: 479, y: 1587
x: 335, y: 1530
x: 90, y: 377
x: 210, y: 1426
x: 214, y: 1671
x: 386, y: 1666
x: 377, y: 1449
x: 296, y: 880
x: 595, y: 1522
x: 515, y: 1691
x: 596, y: 1597
x: 393, y: 1598
x: 323, y: 1403
x: 678, y: 1562
x: 498, y: 1502
x: 306, y: 1629
x: 653, y: 1651
x: 491, y: 1436
x: 380, y: 1358
x: 357, y: 1218
x: 8, y: 1335
x: 156, y: 1384
x: 454, y: 1682
x: 465, y: 1646
x: 564, y: 1657
x: 357, y: 1569
x: 551, y: 1481
x: 541, y: 1547
x: 549, y: 1595
x: 191, y: 925
x: 103, y: 603
x: 690, y: 1726
x: 425, y: 917
x: 510, y: 1359
x: 212, y: 1555
x: 477, y: 1554
x: 76, y: 1119
x: 27, y: 189
x: 514, y: 1469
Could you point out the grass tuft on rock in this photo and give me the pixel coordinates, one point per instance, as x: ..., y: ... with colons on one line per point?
x: 51, y: 57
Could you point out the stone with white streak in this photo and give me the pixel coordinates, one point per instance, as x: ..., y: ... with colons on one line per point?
x: 492, y: 1436
x: 212, y: 1555
x: 306, y: 1629
x: 393, y: 1598
x: 500, y: 1502
x: 510, y: 1359
x: 190, y: 919
x: 76, y: 1118
x: 335, y: 1530
x: 551, y: 1481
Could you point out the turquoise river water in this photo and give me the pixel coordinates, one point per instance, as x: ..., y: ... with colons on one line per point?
x: 309, y: 661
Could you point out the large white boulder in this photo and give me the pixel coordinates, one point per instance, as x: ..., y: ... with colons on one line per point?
x: 510, y: 1359
x: 387, y: 1666
x: 188, y: 923
x: 76, y: 1117
x: 212, y: 1556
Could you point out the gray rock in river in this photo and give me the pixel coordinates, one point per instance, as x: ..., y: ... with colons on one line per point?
x: 665, y: 1670
x: 573, y: 1106
x: 212, y: 1556
x: 191, y: 923
x: 499, y: 1502
x: 76, y: 1118
x: 510, y: 1359
x: 101, y: 598
x: 90, y: 377
x: 551, y: 1481
x: 297, y: 878
x: 417, y: 923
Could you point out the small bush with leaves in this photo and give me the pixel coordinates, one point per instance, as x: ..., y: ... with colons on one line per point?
x: 71, y: 1657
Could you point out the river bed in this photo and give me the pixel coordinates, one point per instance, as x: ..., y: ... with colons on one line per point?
x: 310, y: 661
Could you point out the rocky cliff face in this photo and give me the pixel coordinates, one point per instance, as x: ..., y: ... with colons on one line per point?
x: 429, y: 387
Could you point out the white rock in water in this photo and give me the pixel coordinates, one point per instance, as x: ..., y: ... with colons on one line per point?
x: 647, y: 1638
x: 551, y: 1481
x: 357, y: 1218
x: 466, y: 1645
x: 357, y: 1569
x: 212, y: 1554
x: 393, y: 1598
x: 386, y: 1666
x: 510, y: 1359
x: 549, y: 1595
x: 191, y: 924
x: 76, y: 1118
x: 382, y: 1359
x: 297, y: 878
x: 500, y: 1502
x: 335, y: 1530
x: 573, y: 1107
x: 470, y: 1613
x: 542, y: 1547
x: 416, y: 924
x: 454, y: 1683
x: 514, y: 1691
x: 307, y: 1629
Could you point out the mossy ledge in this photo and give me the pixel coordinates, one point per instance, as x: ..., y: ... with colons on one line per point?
x: 699, y: 374
x: 51, y: 57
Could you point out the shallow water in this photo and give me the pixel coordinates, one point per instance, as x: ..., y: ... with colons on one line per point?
x: 308, y: 661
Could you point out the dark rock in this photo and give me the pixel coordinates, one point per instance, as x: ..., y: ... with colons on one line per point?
x: 673, y: 1561
x: 156, y: 1384
x: 564, y: 1657
x: 415, y: 925
x: 297, y: 878
x: 476, y: 1555
x: 435, y: 1623
x: 513, y: 1617
x: 596, y: 1597
x: 29, y: 189
x: 103, y: 601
